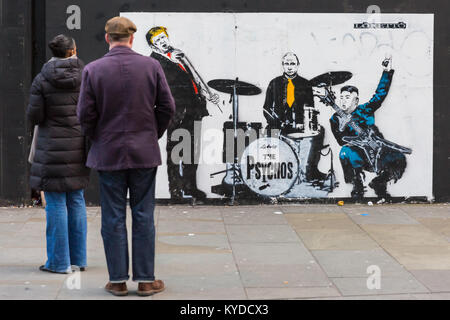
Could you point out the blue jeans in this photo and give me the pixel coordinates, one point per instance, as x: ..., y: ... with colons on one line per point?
x: 113, y: 198
x: 66, y: 230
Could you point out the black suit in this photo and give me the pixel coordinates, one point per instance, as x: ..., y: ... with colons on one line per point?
x: 276, y: 105
x: 276, y: 100
x: 190, y: 107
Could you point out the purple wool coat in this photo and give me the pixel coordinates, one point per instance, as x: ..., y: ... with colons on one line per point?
x: 125, y: 106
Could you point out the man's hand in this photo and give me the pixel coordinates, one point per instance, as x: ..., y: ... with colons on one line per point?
x: 214, y: 98
x: 178, y: 54
x: 387, y: 63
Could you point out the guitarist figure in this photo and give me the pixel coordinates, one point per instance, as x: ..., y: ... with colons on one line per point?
x: 391, y: 162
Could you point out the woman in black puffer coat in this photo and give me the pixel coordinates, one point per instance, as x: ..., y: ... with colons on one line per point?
x: 58, y: 166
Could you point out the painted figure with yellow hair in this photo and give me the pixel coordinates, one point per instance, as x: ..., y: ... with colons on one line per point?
x: 190, y: 98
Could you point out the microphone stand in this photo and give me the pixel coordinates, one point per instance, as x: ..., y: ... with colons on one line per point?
x: 198, y: 76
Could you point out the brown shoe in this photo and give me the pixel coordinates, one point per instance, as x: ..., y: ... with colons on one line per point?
x: 149, y: 288
x: 117, y: 289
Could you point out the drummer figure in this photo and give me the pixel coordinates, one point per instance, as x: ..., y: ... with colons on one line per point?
x: 287, y: 98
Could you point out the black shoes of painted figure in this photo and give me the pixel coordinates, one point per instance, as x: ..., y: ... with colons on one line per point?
x: 378, y: 184
x: 358, y: 185
x: 181, y: 196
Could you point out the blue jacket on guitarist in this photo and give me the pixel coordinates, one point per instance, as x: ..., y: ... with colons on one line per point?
x: 363, y: 146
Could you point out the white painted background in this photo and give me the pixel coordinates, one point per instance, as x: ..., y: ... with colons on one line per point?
x: 250, y: 46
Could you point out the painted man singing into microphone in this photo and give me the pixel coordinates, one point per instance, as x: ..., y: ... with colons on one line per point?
x: 190, y: 99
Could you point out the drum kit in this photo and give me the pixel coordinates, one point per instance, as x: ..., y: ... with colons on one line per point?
x: 270, y: 166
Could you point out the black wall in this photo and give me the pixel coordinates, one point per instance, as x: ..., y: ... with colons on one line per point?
x: 15, y: 71
x: 50, y: 19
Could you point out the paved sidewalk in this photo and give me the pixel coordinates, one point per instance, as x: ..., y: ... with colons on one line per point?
x: 252, y: 252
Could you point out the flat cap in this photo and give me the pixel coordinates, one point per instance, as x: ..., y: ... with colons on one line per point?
x: 120, y: 25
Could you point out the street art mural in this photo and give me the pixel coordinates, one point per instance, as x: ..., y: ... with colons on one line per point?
x: 283, y: 105
x: 190, y: 94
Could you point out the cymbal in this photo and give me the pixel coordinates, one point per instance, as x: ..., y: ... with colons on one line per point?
x: 242, y: 88
x: 331, y: 78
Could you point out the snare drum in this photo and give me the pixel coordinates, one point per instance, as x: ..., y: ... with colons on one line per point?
x: 269, y: 167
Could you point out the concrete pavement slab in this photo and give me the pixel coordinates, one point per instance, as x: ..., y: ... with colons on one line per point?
x: 16, y: 215
x: 27, y: 274
x: 183, y: 212
x: 31, y: 235
x: 9, y: 228
x: 427, y: 257
x: 438, y: 225
x: 164, y: 247
x: 414, y: 246
x: 336, y: 239
x: 404, y: 235
x: 190, y: 226
x: 263, y: 209
x: 219, y: 241
x: 194, y: 287
x: 283, y: 275
x: 427, y: 211
x: 29, y: 291
x: 310, y: 221
x: 261, y: 233
x: 91, y: 285
x: 389, y: 285
x: 293, y: 253
x: 340, y: 264
x: 308, y: 208
x: 23, y: 256
x: 432, y: 296
x: 202, y: 264
x: 200, y: 276
x: 253, y: 217
x: 379, y: 215
x: 434, y: 280
x: 333, y: 231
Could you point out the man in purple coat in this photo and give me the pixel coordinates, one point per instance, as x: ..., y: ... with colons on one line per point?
x: 125, y: 106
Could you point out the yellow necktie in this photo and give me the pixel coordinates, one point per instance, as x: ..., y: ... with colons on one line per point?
x: 290, y: 93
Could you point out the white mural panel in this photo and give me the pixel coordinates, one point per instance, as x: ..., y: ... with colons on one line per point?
x: 294, y: 73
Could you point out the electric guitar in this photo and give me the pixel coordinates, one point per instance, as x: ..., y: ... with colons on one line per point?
x: 367, y: 139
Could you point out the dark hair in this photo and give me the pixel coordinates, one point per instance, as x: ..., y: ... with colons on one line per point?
x: 116, y: 37
x: 60, y: 45
x: 350, y: 89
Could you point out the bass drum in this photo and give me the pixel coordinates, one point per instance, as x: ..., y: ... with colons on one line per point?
x: 269, y: 167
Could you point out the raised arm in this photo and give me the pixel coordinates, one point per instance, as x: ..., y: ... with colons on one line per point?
x: 382, y: 89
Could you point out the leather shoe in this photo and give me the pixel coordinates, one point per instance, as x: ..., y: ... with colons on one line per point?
x: 149, y: 288
x: 117, y: 289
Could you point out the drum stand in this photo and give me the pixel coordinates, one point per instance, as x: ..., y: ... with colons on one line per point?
x: 235, y: 166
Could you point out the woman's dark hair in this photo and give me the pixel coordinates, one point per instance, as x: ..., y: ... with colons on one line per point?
x: 60, y: 45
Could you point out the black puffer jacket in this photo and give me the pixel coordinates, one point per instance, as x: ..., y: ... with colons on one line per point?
x: 59, y: 161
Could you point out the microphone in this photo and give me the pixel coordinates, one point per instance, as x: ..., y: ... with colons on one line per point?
x: 180, y: 53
